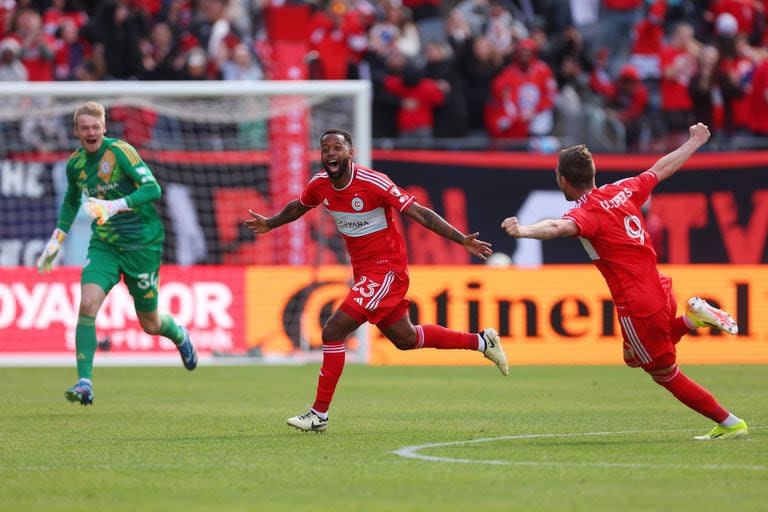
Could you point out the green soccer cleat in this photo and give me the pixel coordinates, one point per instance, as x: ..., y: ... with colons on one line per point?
x: 701, y: 313
x: 719, y: 432
x: 493, y: 350
x: 81, y: 392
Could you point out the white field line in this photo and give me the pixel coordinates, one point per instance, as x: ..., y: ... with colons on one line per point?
x: 412, y: 452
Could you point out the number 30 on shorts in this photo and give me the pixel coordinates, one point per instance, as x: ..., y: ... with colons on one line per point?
x: 147, y: 280
x: 365, y: 287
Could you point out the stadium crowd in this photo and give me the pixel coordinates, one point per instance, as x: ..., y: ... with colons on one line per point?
x: 631, y: 72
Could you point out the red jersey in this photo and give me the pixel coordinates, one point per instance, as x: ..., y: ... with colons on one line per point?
x: 613, y: 232
x: 674, y: 90
x: 363, y: 212
x: 759, y: 105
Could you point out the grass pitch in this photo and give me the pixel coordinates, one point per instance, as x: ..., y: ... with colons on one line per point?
x: 216, y: 439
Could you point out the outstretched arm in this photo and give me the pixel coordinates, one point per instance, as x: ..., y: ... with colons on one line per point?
x: 290, y: 212
x: 669, y: 164
x: 542, y: 230
x: 434, y: 222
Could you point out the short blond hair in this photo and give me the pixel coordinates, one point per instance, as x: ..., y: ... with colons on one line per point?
x: 90, y: 109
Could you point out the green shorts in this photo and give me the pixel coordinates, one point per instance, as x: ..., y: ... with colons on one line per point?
x: 141, y: 271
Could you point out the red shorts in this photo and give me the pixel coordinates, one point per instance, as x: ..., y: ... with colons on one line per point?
x: 649, y: 342
x: 378, y: 296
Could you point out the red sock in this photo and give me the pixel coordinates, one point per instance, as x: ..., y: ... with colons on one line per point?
x: 434, y: 336
x: 692, y: 395
x: 678, y: 329
x: 333, y: 365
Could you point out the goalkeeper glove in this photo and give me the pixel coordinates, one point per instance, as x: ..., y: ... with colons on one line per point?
x: 51, y: 250
x: 102, y: 210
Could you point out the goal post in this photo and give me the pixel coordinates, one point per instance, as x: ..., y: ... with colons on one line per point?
x: 217, y: 148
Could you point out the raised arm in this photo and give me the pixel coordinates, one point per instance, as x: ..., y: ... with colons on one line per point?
x: 669, y: 164
x: 542, y: 230
x: 290, y: 212
x: 434, y: 222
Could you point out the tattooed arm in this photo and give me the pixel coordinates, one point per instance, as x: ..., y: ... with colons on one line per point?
x: 434, y: 222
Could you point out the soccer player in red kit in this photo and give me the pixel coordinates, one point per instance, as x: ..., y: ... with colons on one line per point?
x: 612, y: 229
x: 362, y: 202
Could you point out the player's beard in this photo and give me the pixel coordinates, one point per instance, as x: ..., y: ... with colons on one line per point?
x: 338, y: 173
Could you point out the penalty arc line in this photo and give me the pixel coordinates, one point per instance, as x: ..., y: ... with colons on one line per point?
x: 412, y: 452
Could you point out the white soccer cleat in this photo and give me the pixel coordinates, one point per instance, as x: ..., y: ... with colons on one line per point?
x: 308, y: 422
x: 494, y: 351
x: 705, y: 315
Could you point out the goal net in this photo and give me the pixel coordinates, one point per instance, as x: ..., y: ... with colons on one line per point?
x: 218, y: 149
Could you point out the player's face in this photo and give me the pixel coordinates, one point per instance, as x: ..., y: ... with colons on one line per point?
x: 335, y: 155
x: 90, y: 131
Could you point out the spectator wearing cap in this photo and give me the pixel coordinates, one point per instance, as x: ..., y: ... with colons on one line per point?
x: 735, y: 69
x: 746, y: 14
x: 626, y: 99
x: 522, y: 97
x: 11, y: 68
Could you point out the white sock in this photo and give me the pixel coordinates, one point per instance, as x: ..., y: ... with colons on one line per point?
x: 87, y: 381
x: 480, y: 343
x: 689, y: 323
x: 730, y: 421
x: 321, y: 415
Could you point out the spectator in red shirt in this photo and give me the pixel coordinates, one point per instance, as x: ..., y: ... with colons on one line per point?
x: 418, y: 98
x: 339, y: 40
x: 759, y: 103
x: 746, y: 12
x: 57, y: 13
x: 678, y: 65
x: 522, y: 97
x: 626, y: 99
x: 735, y: 69
x: 37, y: 47
x: 648, y: 40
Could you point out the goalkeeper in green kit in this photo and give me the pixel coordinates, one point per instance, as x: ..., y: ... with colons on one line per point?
x: 127, y: 239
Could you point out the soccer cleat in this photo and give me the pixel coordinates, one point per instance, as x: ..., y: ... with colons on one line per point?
x: 308, y: 422
x: 494, y: 351
x: 81, y: 392
x: 719, y: 432
x: 188, y: 351
x: 705, y: 315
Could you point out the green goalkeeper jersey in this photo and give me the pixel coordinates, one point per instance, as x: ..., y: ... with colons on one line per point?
x: 115, y: 171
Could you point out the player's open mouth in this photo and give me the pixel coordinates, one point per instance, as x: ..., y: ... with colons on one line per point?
x: 333, y: 165
x: 91, y: 141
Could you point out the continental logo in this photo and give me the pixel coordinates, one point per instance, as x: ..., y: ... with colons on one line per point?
x: 564, y: 304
